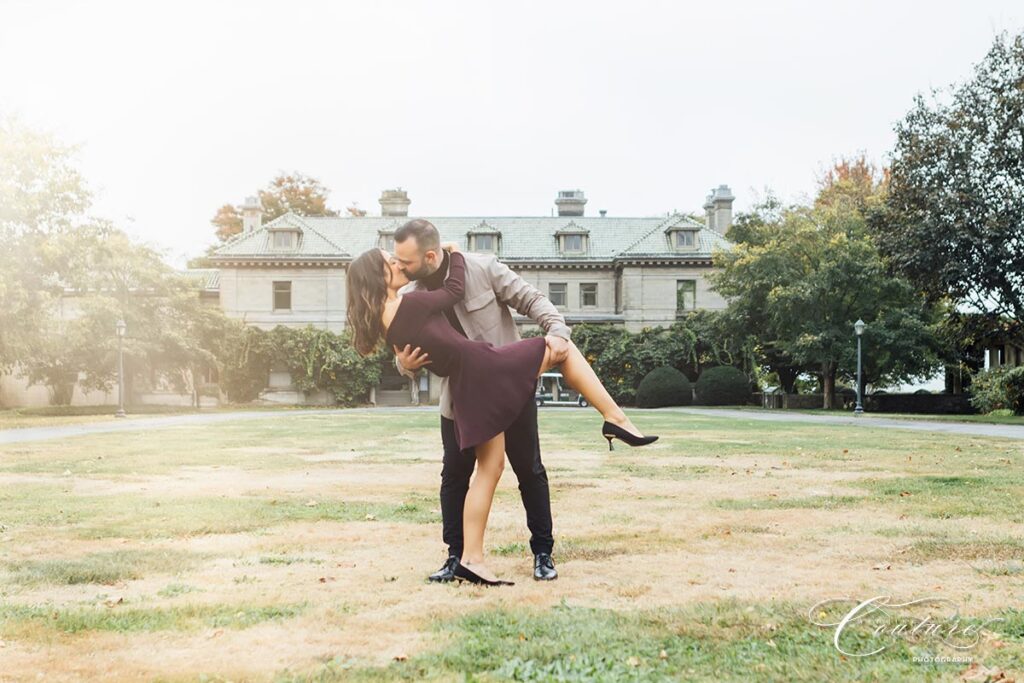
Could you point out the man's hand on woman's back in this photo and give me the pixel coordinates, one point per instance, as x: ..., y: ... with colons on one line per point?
x: 412, y: 359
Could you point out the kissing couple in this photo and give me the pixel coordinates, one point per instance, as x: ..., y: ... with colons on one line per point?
x: 439, y: 307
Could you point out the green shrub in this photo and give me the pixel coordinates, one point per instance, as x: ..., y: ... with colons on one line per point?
x: 317, y: 360
x: 1014, y: 388
x: 722, y: 386
x: 988, y: 390
x: 622, y: 359
x: 664, y: 386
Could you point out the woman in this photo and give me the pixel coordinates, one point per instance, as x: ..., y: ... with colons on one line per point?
x: 489, y: 384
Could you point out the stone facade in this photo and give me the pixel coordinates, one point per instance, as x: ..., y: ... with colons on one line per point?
x: 317, y: 296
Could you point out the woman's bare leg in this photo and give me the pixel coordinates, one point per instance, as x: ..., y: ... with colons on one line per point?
x: 577, y: 371
x: 490, y: 462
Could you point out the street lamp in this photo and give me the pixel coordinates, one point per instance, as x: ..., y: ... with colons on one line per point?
x: 858, y: 327
x: 121, y: 329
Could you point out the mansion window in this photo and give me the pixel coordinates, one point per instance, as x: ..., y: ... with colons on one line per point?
x: 686, y: 296
x: 485, y: 243
x: 588, y: 294
x: 284, y: 239
x: 282, y: 296
x: 574, y: 244
x: 557, y: 293
x: 684, y: 239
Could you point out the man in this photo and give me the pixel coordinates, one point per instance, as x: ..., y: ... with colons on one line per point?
x: 483, y: 315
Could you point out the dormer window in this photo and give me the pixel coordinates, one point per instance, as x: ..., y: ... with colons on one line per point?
x: 386, y: 241
x: 682, y: 235
x: 573, y: 239
x: 484, y: 238
x: 572, y: 243
x: 484, y: 243
x: 284, y: 240
x: 684, y: 239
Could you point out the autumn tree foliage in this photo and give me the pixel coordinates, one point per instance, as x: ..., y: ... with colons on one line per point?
x: 295, y: 192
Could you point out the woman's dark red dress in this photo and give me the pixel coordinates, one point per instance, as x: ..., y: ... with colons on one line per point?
x: 490, y: 385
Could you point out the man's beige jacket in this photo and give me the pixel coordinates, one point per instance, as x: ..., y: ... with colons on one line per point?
x: 491, y: 288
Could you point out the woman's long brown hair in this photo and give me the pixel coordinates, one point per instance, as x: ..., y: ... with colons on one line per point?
x: 367, y: 291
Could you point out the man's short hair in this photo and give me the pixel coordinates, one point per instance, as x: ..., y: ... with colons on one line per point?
x: 424, y: 232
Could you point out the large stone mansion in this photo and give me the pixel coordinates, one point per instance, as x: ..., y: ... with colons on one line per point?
x: 627, y: 271
x: 633, y: 272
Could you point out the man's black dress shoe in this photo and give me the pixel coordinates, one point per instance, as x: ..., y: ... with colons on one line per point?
x: 467, y: 574
x: 446, y: 572
x: 544, y: 567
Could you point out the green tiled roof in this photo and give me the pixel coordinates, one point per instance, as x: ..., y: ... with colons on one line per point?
x: 208, y: 278
x: 522, y: 238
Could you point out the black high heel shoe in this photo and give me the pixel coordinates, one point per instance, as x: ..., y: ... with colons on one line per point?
x: 613, y: 431
x: 464, y: 573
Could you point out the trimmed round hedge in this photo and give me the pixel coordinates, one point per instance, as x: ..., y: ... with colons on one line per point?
x: 722, y: 386
x: 664, y: 386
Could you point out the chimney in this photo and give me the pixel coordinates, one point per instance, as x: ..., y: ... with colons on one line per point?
x: 718, y: 208
x: 252, y: 215
x: 570, y: 202
x: 394, y: 202
x: 603, y: 212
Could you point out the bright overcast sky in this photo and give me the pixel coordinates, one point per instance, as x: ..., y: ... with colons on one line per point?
x: 476, y: 108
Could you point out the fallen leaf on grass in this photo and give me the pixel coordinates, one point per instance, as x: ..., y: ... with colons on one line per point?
x: 401, y: 657
x: 980, y: 673
x: 879, y: 567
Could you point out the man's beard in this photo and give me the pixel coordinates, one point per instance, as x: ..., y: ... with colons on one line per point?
x: 423, y: 272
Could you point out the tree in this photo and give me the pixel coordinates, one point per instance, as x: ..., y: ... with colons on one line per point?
x: 748, y: 313
x: 756, y: 226
x: 40, y: 190
x: 805, y: 286
x: 41, y: 195
x: 855, y: 180
x: 293, y: 192
x: 953, y: 221
x: 228, y: 221
x: 171, y: 335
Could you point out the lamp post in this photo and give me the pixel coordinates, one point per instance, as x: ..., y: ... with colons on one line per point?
x: 858, y: 327
x: 121, y: 329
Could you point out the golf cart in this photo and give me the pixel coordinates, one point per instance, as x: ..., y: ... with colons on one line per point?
x: 552, y: 391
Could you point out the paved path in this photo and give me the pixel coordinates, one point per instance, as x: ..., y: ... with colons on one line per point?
x: 137, y: 423
x: 134, y: 424
x: 871, y: 420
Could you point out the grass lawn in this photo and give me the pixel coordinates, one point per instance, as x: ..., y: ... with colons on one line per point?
x: 295, y: 549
